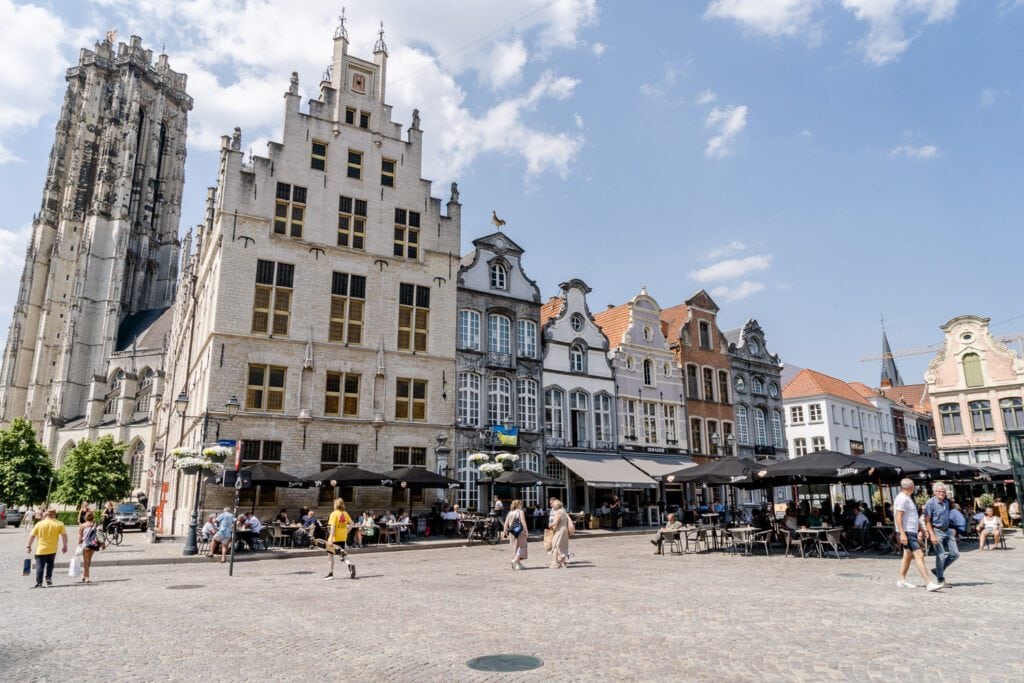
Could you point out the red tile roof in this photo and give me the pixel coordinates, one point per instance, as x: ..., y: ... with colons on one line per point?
x: 551, y: 309
x: 914, y: 395
x: 614, y: 322
x: 813, y: 383
x: 863, y: 389
x: 673, y: 320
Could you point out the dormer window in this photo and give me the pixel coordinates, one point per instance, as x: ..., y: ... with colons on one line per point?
x: 499, y: 276
x: 577, y: 358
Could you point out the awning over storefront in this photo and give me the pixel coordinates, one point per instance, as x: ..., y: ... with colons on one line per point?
x: 605, y: 470
x: 657, y: 466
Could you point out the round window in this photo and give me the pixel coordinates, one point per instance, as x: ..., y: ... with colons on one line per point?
x: 576, y: 321
x: 741, y: 385
x: 966, y: 337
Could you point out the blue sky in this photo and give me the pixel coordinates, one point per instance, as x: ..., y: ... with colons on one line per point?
x: 814, y: 164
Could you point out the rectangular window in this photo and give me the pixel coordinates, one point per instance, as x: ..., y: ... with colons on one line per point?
x: 348, y: 299
x: 949, y: 413
x: 355, y: 165
x: 650, y: 422
x: 411, y: 399
x: 1013, y: 413
x: 364, y: 119
x: 350, y: 116
x: 341, y: 395
x: 467, y: 406
x: 410, y: 456
x: 814, y: 412
x: 526, y: 338
x: 800, y: 447
x: 705, y: 334
x: 818, y: 444
x: 413, y: 317
x: 696, y: 436
x: 289, y: 210
x: 845, y: 422
x: 267, y: 453
x: 712, y: 428
x: 265, y: 390
x: 796, y: 415
x: 318, y: 156
x: 387, y: 172
x: 469, y: 330
x: 499, y: 334
x: 272, y: 302
x: 692, y: 387
x: 554, y: 413
x: 629, y: 418
x: 334, y: 454
x: 981, y: 416
x: 603, y: 417
x: 709, y: 383
x: 407, y: 234
x: 527, y: 404
x: 669, y: 412
x: 351, y: 222
x: 723, y: 386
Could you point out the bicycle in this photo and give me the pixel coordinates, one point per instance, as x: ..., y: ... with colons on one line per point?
x: 487, y: 530
x: 112, y: 534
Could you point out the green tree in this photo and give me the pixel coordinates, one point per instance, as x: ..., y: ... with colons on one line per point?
x: 94, y: 471
x: 25, y: 466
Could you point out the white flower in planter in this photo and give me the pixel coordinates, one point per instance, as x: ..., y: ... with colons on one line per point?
x: 201, y: 463
x: 218, y: 453
x: 492, y: 468
x: 185, y: 452
x: 506, y: 457
x: 478, y: 457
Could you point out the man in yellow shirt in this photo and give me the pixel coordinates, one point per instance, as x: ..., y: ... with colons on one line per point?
x: 337, y: 535
x: 47, y: 531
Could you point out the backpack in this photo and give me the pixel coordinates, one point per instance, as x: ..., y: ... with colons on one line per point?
x: 90, y: 540
x: 516, y: 527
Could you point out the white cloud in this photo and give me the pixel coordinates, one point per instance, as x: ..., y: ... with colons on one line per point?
x: 729, y: 293
x: 770, y: 17
x: 706, y: 97
x: 662, y: 87
x: 805, y: 134
x: 727, y: 122
x: 724, y: 250
x: 987, y: 97
x: 12, y: 248
x: 508, y: 60
x: 887, y: 36
x: 887, y: 20
x: 911, y: 152
x: 7, y: 156
x: 598, y: 49
x: 729, y: 269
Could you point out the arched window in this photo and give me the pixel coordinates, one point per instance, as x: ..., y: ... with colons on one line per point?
x: 467, y: 409
x: 467, y: 473
x: 648, y: 372
x: 526, y: 338
x: 499, y: 276
x: 144, y: 392
x: 499, y: 333
x: 579, y: 419
x: 760, y: 428
x: 973, y: 376
x: 469, y: 330
x: 499, y: 400
x: 757, y: 385
x: 527, y: 404
x: 603, y: 417
x: 777, y: 429
x: 554, y: 405
x: 136, y: 462
x: 742, y: 429
x: 577, y: 358
x: 530, y: 462
x: 1013, y: 413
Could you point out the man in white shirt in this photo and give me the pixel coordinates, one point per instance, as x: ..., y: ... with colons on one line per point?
x: 861, y: 520
x: 255, y: 524
x: 908, y: 527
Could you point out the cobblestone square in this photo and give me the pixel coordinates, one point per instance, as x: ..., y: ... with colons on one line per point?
x: 617, y: 613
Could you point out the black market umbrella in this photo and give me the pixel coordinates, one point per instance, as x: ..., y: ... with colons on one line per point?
x: 347, y: 475
x: 996, y: 470
x: 728, y: 470
x: 420, y: 478
x: 523, y: 479
x: 922, y: 467
x: 261, y: 475
x: 826, y: 467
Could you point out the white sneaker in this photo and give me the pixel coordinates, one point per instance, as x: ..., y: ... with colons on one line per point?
x: 934, y: 586
x: 905, y: 584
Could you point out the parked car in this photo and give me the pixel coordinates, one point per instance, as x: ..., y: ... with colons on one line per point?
x: 131, y: 516
x: 14, y: 517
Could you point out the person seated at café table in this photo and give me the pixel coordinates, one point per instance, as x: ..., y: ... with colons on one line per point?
x: 254, y: 524
x: 282, y: 517
x: 790, y: 520
x: 990, y: 525
x: 210, y: 528
x: 815, y: 518
x: 314, y: 527
x: 366, y: 528
x: 957, y: 520
x: 405, y: 523
x: 673, y: 526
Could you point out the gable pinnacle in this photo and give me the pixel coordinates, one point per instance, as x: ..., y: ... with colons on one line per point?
x: 380, y: 45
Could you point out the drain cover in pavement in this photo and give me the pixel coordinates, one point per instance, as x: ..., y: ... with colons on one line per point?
x: 505, y: 663
x: 185, y: 587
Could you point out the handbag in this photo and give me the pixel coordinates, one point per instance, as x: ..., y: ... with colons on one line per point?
x: 516, y: 527
x: 549, y: 535
x: 75, y: 567
x: 571, y: 525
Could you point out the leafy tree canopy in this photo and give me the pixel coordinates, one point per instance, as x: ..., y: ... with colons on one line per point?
x: 25, y: 466
x: 94, y: 471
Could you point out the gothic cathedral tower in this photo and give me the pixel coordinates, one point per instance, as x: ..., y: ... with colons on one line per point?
x: 105, y: 243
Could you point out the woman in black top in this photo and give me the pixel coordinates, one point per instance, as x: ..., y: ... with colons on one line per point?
x: 108, y: 516
x: 82, y: 510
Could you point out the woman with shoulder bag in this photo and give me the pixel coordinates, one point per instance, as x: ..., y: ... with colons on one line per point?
x: 89, y: 542
x: 515, y: 532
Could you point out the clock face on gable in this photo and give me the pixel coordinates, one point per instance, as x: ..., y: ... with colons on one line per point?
x: 755, y: 348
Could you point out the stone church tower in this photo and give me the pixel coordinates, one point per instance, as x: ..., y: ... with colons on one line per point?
x: 105, y: 243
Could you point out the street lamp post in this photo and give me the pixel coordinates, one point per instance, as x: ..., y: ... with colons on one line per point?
x: 730, y: 441
x: 715, y: 441
x: 181, y: 405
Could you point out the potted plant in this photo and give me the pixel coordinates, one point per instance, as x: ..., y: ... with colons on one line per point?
x: 217, y: 453
x: 195, y: 465
x: 507, y: 460
x: 491, y: 469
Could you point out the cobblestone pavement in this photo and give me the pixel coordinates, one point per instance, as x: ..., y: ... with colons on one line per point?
x: 617, y: 612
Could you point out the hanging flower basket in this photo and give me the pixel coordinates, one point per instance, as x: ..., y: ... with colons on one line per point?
x: 491, y: 469
x: 217, y: 453
x: 507, y: 460
x: 185, y: 452
x: 194, y: 465
x: 477, y: 458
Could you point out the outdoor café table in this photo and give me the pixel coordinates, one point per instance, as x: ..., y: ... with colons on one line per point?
x: 287, y: 531
x: 815, y: 534
x: 710, y: 518
x: 394, y: 529
x: 884, y: 532
x: 741, y: 536
x: 244, y: 536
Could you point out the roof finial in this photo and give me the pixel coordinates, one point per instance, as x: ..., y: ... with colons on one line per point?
x: 380, y: 46
x: 341, y: 31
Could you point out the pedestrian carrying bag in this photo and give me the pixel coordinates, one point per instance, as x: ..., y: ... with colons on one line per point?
x: 549, y: 535
x: 516, y: 527
x: 75, y: 567
x: 571, y: 525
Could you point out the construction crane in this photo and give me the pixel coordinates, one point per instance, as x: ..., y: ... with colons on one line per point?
x: 935, y: 348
